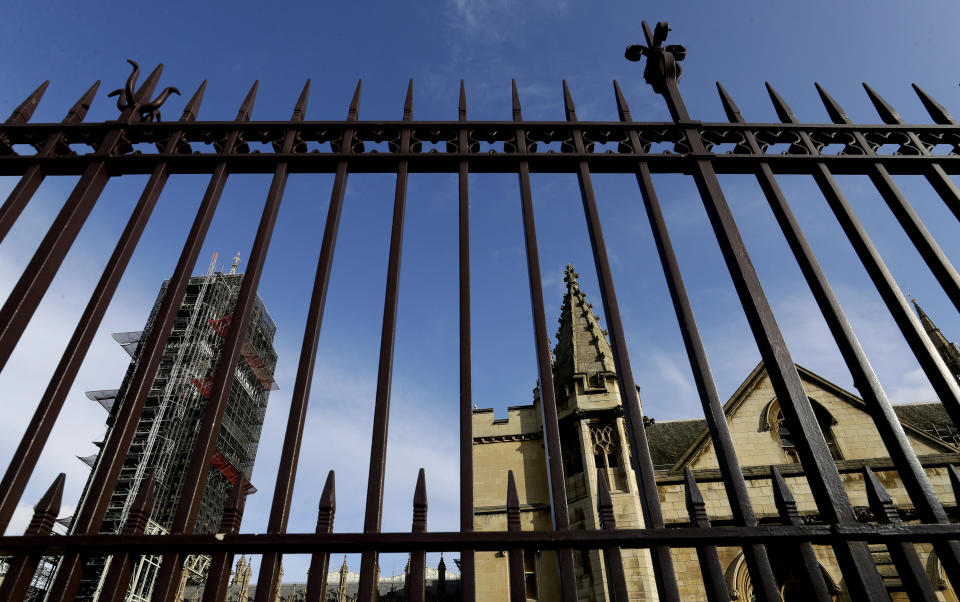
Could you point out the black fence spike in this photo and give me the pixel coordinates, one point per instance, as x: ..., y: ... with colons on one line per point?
x: 954, y: 482
x: 462, y: 105
x: 696, y: 507
x: 49, y: 503
x: 887, y: 113
x: 880, y: 501
x: 233, y: 508
x: 193, y: 105
x: 834, y: 110
x: 301, y: 108
x: 608, y: 519
x: 517, y: 112
x: 568, y: 107
x: 79, y: 109
x: 420, y: 504
x: 142, y: 507
x: 938, y: 113
x: 784, y: 112
x: 247, y: 107
x: 623, y: 109
x: 783, y: 498
x: 729, y: 107
x: 149, y: 85
x: 23, y: 112
x: 353, y: 113
x: 408, y: 102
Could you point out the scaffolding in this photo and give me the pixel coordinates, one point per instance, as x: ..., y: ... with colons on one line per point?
x: 165, y: 434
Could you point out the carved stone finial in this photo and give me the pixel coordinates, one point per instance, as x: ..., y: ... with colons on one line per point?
x: 570, y: 275
x: 662, y: 61
x: 127, y: 98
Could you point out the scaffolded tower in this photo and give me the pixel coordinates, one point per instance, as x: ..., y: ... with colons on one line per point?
x: 165, y: 434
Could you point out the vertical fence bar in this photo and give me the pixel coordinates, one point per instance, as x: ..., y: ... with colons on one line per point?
x: 195, y: 478
x: 378, y: 441
x: 467, y: 567
x: 787, y: 508
x: 320, y: 561
x: 117, y: 579
x: 633, y: 415
x: 904, y: 555
x: 418, y: 586
x: 46, y: 261
x: 267, y: 582
x: 518, y: 591
x: 915, y: 479
x: 20, y: 568
x: 938, y: 178
x: 48, y: 409
x: 90, y: 513
x: 613, y: 559
x: 860, y: 573
x: 29, y: 182
x: 758, y: 563
x: 558, y: 493
x: 218, y: 575
x: 713, y: 581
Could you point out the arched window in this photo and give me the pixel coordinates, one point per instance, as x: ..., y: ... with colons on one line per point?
x: 788, y: 439
x: 606, y: 454
x: 788, y: 573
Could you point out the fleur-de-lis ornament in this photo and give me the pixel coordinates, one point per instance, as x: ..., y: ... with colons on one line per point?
x: 659, y: 66
x: 127, y: 97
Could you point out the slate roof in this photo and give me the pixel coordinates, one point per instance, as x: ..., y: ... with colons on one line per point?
x: 668, y: 440
x: 925, y: 416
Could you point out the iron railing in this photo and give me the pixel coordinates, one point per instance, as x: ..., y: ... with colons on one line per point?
x: 516, y: 151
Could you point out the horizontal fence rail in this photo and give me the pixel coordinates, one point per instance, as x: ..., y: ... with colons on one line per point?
x: 138, y: 142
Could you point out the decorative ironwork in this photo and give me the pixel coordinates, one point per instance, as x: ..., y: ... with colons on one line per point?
x: 127, y: 98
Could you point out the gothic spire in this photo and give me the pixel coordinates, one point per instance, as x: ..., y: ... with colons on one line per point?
x: 947, y: 350
x: 582, y: 346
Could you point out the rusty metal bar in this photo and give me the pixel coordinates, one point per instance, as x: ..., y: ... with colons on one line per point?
x: 293, y: 437
x: 320, y: 561
x: 541, y: 341
x: 378, y: 440
x: 467, y: 567
x: 758, y: 563
x: 418, y: 585
x: 48, y: 409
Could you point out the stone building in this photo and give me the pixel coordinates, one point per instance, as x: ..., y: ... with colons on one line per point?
x: 592, y: 436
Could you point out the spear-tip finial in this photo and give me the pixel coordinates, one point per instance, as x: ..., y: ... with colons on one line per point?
x: 328, y: 498
x: 937, y: 111
x: 834, y: 110
x: 353, y: 113
x: 408, y: 102
x: 568, y: 106
x: 247, y: 107
x: 784, y: 112
x: 79, y: 109
x: 149, y: 84
x: 23, y: 112
x: 729, y: 107
x: 420, y: 503
x: 193, y: 105
x: 50, y: 502
x: 301, y: 107
x: 623, y: 109
x: 513, y: 500
x: 954, y: 481
x: 604, y: 501
x: 462, y: 105
x: 887, y: 113
x: 517, y: 113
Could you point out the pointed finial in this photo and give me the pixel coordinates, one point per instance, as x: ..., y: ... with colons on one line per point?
x: 623, y: 109
x: 954, y: 481
x: 462, y: 105
x: 193, y: 106
x: 246, y: 108
x: 570, y: 276
x: 517, y: 114
x: 420, y: 504
x: 328, y: 506
x: 149, y: 84
x: 887, y: 113
x: 353, y: 112
x: 880, y: 501
x: 783, y: 498
x: 141, y: 508
x: 408, y: 102
x: 301, y: 107
x: 937, y: 112
x: 605, y: 503
x: 23, y: 112
x: 729, y: 107
x: 784, y: 112
x: 834, y: 110
x: 568, y: 107
x: 513, y: 504
x: 79, y: 110
x: 696, y: 507
x: 45, y: 512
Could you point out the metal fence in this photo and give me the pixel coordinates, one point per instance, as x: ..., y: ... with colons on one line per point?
x: 584, y: 149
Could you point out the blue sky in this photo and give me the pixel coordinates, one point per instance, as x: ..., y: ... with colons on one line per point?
x: 485, y: 42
